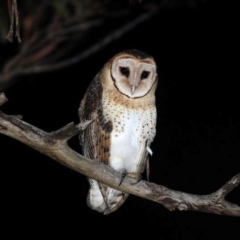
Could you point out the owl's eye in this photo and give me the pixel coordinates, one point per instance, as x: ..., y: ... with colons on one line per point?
x: 144, y: 74
x: 124, y: 71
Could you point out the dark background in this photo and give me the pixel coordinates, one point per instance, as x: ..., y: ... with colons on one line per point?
x: 196, y: 149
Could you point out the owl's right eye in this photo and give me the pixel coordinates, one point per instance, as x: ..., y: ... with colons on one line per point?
x: 124, y: 71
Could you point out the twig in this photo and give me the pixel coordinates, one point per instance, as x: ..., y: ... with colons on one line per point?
x: 17, y: 34
x: 9, y: 36
x: 70, y: 130
x: 14, y: 17
x: 55, y: 146
x: 3, y: 99
x: 228, y: 187
x: 30, y: 48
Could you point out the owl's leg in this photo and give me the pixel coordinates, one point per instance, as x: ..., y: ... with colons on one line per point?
x: 142, y: 161
x: 148, y: 169
x: 148, y: 163
x: 115, y: 197
x: 118, y: 164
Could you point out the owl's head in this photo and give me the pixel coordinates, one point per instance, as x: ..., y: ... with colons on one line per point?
x: 134, y: 73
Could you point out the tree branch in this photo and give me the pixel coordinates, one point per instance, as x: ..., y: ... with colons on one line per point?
x: 94, y: 48
x: 55, y: 146
x: 14, y: 18
x: 27, y: 61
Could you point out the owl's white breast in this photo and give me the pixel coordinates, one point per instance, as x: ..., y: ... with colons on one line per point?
x: 131, y: 129
x: 133, y: 122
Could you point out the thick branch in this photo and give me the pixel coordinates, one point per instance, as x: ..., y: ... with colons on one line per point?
x: 54, y: 145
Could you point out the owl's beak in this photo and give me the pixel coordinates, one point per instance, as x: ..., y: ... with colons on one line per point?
x: 133, y: 89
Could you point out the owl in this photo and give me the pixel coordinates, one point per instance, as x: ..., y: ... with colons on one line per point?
x: 121, y: 101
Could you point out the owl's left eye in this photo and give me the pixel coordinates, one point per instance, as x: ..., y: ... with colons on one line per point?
x: 145, y: 75
x: 124, y: 71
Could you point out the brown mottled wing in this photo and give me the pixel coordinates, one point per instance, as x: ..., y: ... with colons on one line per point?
x: 95, y: 139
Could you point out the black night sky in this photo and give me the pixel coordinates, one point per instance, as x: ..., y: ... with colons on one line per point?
x: 196, y: 149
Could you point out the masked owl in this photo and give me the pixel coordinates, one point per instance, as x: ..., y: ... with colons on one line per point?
x: 121, y: 100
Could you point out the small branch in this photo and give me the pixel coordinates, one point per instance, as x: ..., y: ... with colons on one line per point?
x: 228, y: 187
x: 17, y: 34
x: 3, y: 99
x: 70, y: 130
x: 9, y: 36
x: 14, y: 17
x: 55, y: 146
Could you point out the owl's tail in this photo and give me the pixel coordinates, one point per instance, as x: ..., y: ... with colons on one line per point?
x: 115, y: 200
x: 104, y: 199
x: 95, y: 198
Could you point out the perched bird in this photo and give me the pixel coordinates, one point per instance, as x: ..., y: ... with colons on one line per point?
x: 121, y: 100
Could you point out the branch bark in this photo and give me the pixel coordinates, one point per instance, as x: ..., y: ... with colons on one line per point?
x: 55, y: 146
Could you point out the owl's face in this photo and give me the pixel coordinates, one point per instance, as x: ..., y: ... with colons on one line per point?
x: 133, y: 76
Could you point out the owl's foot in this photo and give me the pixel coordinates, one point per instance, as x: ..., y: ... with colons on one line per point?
x: 135, y: 176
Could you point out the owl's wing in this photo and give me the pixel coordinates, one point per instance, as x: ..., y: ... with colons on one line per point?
x: 95, y: 139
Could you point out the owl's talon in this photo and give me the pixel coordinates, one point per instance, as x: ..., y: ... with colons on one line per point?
x: 122, y: 178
